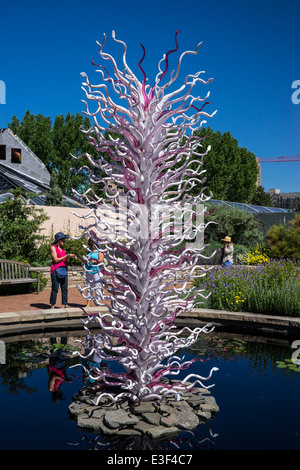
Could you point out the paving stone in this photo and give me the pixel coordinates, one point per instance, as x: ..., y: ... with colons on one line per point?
x: 152, y: 418
x: 119, y: 418
x: 182, y: 405
x: 142, y: 426
x: 129, y: 432
x: 203, y: 391
x: 85, y: 422
x: 204, y: 415
x: 188, y: 421
x: 166, y: 409
x: 98, y: 413
x: 105, y: 429
x: 161, y: 432
x: 144, y: 407
x: 77, y: 408
x: 209, y: 407
x: 195, y: 400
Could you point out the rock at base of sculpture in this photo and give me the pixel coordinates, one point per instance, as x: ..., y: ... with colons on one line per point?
x: 157, y: 419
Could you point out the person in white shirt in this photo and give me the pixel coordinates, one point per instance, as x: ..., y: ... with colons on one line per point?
x: 227, y: 252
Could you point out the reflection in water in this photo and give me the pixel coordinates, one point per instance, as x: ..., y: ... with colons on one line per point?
x: 186, y: 440
x: 261, y: 356
x: 57, y: 371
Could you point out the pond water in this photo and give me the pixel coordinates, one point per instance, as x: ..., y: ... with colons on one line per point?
x: 256, y: 389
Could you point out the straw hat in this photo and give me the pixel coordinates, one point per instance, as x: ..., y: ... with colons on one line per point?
x: 226, y: 239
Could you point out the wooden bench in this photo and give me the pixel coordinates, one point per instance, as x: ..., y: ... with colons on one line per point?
x: 15, y: 272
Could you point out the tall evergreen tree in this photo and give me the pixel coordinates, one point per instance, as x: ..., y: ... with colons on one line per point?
x: 261, y: 198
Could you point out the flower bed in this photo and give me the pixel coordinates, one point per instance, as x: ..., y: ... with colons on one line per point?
x: 272, y: 288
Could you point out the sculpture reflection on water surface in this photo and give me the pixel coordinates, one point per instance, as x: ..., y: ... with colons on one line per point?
x: 149, y: 150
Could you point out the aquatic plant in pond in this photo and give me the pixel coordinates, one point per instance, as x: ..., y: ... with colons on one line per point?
x: 147, y: 148
x: 217, y: 347
x: 272, y: 288
x: 288, y: 363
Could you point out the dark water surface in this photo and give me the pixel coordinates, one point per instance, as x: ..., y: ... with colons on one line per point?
x: 258, y: 401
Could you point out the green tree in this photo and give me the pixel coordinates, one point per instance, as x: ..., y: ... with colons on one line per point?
x: 27, y: 131
x: 43, y: 139
x: 261, y: 198
x: 54, y: 197
x: 20, y: 227
x: 55, y: 144
x: 36, y: 133
x: 231, y: 170
x: 68, y: 140
x: 15, y: 125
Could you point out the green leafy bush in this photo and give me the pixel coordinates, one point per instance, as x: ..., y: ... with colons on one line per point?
x: 76, y: 246
x: 284, y: 241
x: 43, y: 257
x: 240, y: 225
x: 20, y: 228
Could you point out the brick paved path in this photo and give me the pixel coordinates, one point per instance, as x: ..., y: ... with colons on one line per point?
x: 17, y: 303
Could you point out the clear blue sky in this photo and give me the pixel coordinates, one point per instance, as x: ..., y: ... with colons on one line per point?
x: 250, y: 48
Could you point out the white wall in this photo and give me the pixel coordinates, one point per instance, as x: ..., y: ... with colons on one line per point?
x: 61, y: 219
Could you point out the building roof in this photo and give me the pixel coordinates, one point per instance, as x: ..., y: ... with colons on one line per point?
x: 11, y: 179
x: 249, y: 207
x: 29, y: 173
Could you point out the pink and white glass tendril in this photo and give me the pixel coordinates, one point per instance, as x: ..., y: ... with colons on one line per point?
x: 148, y: 148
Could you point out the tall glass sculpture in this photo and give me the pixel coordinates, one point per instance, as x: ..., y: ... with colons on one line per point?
x: 148, y: 226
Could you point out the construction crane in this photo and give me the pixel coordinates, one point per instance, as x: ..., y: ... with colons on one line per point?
x: 279, y: 159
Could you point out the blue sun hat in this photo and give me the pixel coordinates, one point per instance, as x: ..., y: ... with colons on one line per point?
x: 59, y: 236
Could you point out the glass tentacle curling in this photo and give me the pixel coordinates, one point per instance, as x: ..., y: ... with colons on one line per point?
x: 148, y: 225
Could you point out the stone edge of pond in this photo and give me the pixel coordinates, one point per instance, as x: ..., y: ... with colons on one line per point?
x: 48, y: 317
x: 156, y: 419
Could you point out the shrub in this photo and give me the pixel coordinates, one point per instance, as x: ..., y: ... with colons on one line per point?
x: 240, y: 225
x: 20, y: 228
x: 43, y: 257
x: 284, y: 241
x: 76, y: 246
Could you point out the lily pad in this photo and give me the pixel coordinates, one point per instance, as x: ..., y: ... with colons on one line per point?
x: 288, y: 363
